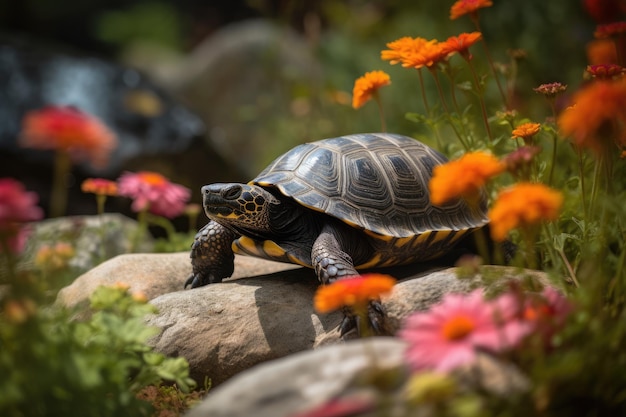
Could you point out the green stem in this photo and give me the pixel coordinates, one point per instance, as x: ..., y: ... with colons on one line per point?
x: 423, y: 89
x: 58, y: 197
x: 553, y: 163
x: 433, y: 71
x: 581, y: 173
x: 481, y: 98
x: 142, y: 229
x: 381, y: 112
x: 490, y: 60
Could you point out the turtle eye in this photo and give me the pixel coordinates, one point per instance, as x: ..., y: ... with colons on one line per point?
x: 231, y: 193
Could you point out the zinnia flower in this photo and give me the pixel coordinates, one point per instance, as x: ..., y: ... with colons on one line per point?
x: 399, y: 48
x: 550, y: 90
x: 367, y: 86
x: 99, y: 186
x: 598, y: 117
x: 463, y: 7
x: 69, y: 130
x: 464, y: 177
x: 526, y: 131
x: 609, y: 30
x: 447, y: 336
x: 17, y: 206
x: 153, y: 192
x: 605, y: 71
x: 523, y: 205
x: 353, y: 291
x: 414, y: 52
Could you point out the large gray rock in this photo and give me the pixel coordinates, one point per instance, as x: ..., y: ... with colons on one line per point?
x: 264, y: 312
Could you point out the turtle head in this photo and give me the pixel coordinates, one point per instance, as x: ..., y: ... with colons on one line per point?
x: 246, y: 208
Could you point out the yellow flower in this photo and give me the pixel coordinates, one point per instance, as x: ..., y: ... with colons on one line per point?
x: 464, y: 177
x: 354, y: 291
x: 526, y: 130
x: 598, y: 118
x: 523, y: 205
x: 463, y: 7
x: 366, y: 86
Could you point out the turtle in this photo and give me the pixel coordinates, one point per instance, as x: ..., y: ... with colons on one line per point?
x: 338, y: 206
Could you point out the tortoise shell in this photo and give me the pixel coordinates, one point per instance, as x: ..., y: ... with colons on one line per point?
x: 377, y: 183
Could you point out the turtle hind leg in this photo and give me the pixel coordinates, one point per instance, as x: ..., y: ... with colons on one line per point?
x: 212, y: 257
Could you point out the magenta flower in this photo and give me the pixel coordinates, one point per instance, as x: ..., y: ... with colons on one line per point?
x: 153, y: 192
x: 449, y: 334
x: 17, y: 206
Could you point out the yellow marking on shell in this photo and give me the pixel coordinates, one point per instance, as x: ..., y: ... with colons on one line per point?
x: 247, y: 244
x: 459, y: 235
x: 297, y: 261
x: 421, y: 238
x: 404, y: 241
x: 375, y: 261
x: 272, y: 250
x: 378, y: 236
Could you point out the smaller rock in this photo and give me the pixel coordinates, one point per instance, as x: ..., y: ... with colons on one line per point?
x: 363, y: 373
x: 93, y: 238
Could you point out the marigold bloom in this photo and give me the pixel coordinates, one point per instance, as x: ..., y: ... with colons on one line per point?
x: 18, y: 311
x: 153, y: 192
x: 368, y: 85
x: 605, y: 71
x: 400, y: 47
x: 463, y: 7
x: 54, y: 257
x: 523, y: 205
x: 17, y: 206
x: 601, y: 51
x: 350, y: 292
x: 609, y: 30
x: 598, y: 117
x: 447, y: 336
x: 526, y: 130
x: 99, y: 186
x: 414, y: 52
x: 464, y: 177
x: 70, y: 130
x: 550, y: 90
x: 461, y: 43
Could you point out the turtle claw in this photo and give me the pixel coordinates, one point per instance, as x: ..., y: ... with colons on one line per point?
x: 199, y: 280
x: 376, y: 321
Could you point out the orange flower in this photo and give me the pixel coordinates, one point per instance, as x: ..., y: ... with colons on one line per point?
x: 526, y: 130
x: 464, y: 177
x: 463, y: 7
x: 54, y: 257
x: 523, y: 205
x: 68, y: 129
x: 350, y: 292
x: 366, y: 86
x: 461, y: 43
x: 414, y: 52
x: 601, y: 51
x: 99, y: 186
x: 399, y: 48
x: 598, y: 117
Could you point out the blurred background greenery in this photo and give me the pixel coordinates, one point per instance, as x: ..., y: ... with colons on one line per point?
x: 344, y: 38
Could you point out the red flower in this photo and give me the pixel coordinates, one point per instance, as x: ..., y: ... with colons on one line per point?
x: 70, y: 130
x: 461, y: 43
x: 17, y: 206
x: 153, y: 192
x: 463, y: 7
x: 99, y: 186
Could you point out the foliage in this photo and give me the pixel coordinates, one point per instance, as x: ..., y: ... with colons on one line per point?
x: 93, y: 367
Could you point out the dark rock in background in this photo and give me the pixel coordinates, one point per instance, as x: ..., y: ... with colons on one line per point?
x: 155, y: 131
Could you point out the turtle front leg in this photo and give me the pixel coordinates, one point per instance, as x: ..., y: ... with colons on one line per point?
x: 331, y: 262
x: 212, y: 257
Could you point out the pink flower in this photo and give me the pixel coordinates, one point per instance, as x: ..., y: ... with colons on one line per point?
x: 153, y: 192
x: 68, y: 129
x: 17, y: 206
x: 447, y: 336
